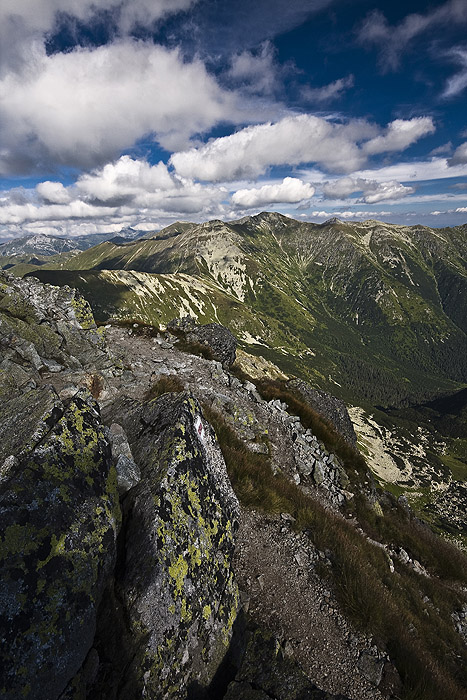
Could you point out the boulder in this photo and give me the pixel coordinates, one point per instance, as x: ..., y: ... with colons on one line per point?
x: 218, y: 339
x: 175, y: 582
x: 330, y: 407
x: 59, y: 515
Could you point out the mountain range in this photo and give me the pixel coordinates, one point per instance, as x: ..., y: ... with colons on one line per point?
x: 372, y: 312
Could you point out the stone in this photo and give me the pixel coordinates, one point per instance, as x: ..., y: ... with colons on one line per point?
x: 371, y: 667
x: 176, y: 585
x: 218, y: 339
x: 332, y: 408
x: 59, y: 516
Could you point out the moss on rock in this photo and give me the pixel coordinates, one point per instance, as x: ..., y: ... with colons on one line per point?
x: 59, y: 517
x: 178, y: 586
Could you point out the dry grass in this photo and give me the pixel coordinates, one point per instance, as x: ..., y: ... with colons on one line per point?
x: 191, y: 346
x: 407, y: 613
x: 95, y: 385
x: 165, y: 384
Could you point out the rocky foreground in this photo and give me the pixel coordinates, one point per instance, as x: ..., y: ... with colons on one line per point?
x: 129, y: 568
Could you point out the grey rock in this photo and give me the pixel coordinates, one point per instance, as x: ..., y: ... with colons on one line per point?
x: 128, y: 474
x: 59, y: 516
x: 176, y: 583
x: 332, y: 408
x: 371, y: 667
x: 218, y: 339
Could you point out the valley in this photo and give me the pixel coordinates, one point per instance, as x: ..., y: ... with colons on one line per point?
x: 370, y: 312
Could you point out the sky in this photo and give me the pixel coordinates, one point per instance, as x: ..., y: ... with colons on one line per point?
x: 139, y: 113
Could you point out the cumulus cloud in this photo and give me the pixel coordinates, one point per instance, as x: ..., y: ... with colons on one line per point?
x: 84, y: 107
x: 392, y: 41
x: 126, y: 178
x: 373, y: 191
x: 400, y: 134
x: 459, y: 156
x: 294, y: 140
x: 380, y: 192
x: 127, y: 190
x: 290, y: 190
x: 329, y: 92
x: 53, y: 192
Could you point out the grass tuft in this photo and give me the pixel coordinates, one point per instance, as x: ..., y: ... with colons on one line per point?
x: 167, y: 383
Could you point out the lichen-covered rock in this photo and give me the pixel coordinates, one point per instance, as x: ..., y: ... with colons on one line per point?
x: 43, y: 329
x: 59, y: 515
x: 332, y: 408
x: 176, y: 584
x: 218, y: 339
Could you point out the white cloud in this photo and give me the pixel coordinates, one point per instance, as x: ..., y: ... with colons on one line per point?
x: 127, y: 190
x: 459, y: 156
x: 380, y: 192
x: 329, y: 92
x: 294, y: 140
x: 360, y: 215
x: 392, y: 41
x: 125, y: 178
x: 140, y: 186
x: 84, y: 107
x: 21, y: 213
x: 256, y: 72
x: 443, y: 149
x: 400, y: 134
x: 458, y: 82
x: 411, y: 171
x: 373, y: 191
x: 290, y: 190
x: 337, y: 189
x: 53, y: 192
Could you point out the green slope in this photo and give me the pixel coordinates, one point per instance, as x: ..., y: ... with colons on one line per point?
x: 377, y: 309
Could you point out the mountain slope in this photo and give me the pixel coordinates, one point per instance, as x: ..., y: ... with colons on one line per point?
x: 41, y: 244
x: 379, y: 309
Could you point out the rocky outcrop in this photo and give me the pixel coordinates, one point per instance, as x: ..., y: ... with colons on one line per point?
x: 119, y: 550
x: 59, y: 516
x: 266, y: 671
x: 176, y: 585
x: 218, y: 339
x: 44, y: 329
x: 332, y: 408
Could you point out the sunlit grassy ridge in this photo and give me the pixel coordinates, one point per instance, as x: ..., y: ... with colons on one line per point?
x: 379, y: 309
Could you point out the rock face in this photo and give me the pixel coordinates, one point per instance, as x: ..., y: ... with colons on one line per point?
x: 59, y: 515
x: 170, y: 591
x: 177, y: 587
x: 218, y: 339
x: 119, y: 549
x: 328, y: 406
x: 44, y: 329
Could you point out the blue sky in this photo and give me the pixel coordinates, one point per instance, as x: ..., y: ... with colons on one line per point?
x: 119, y: 113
